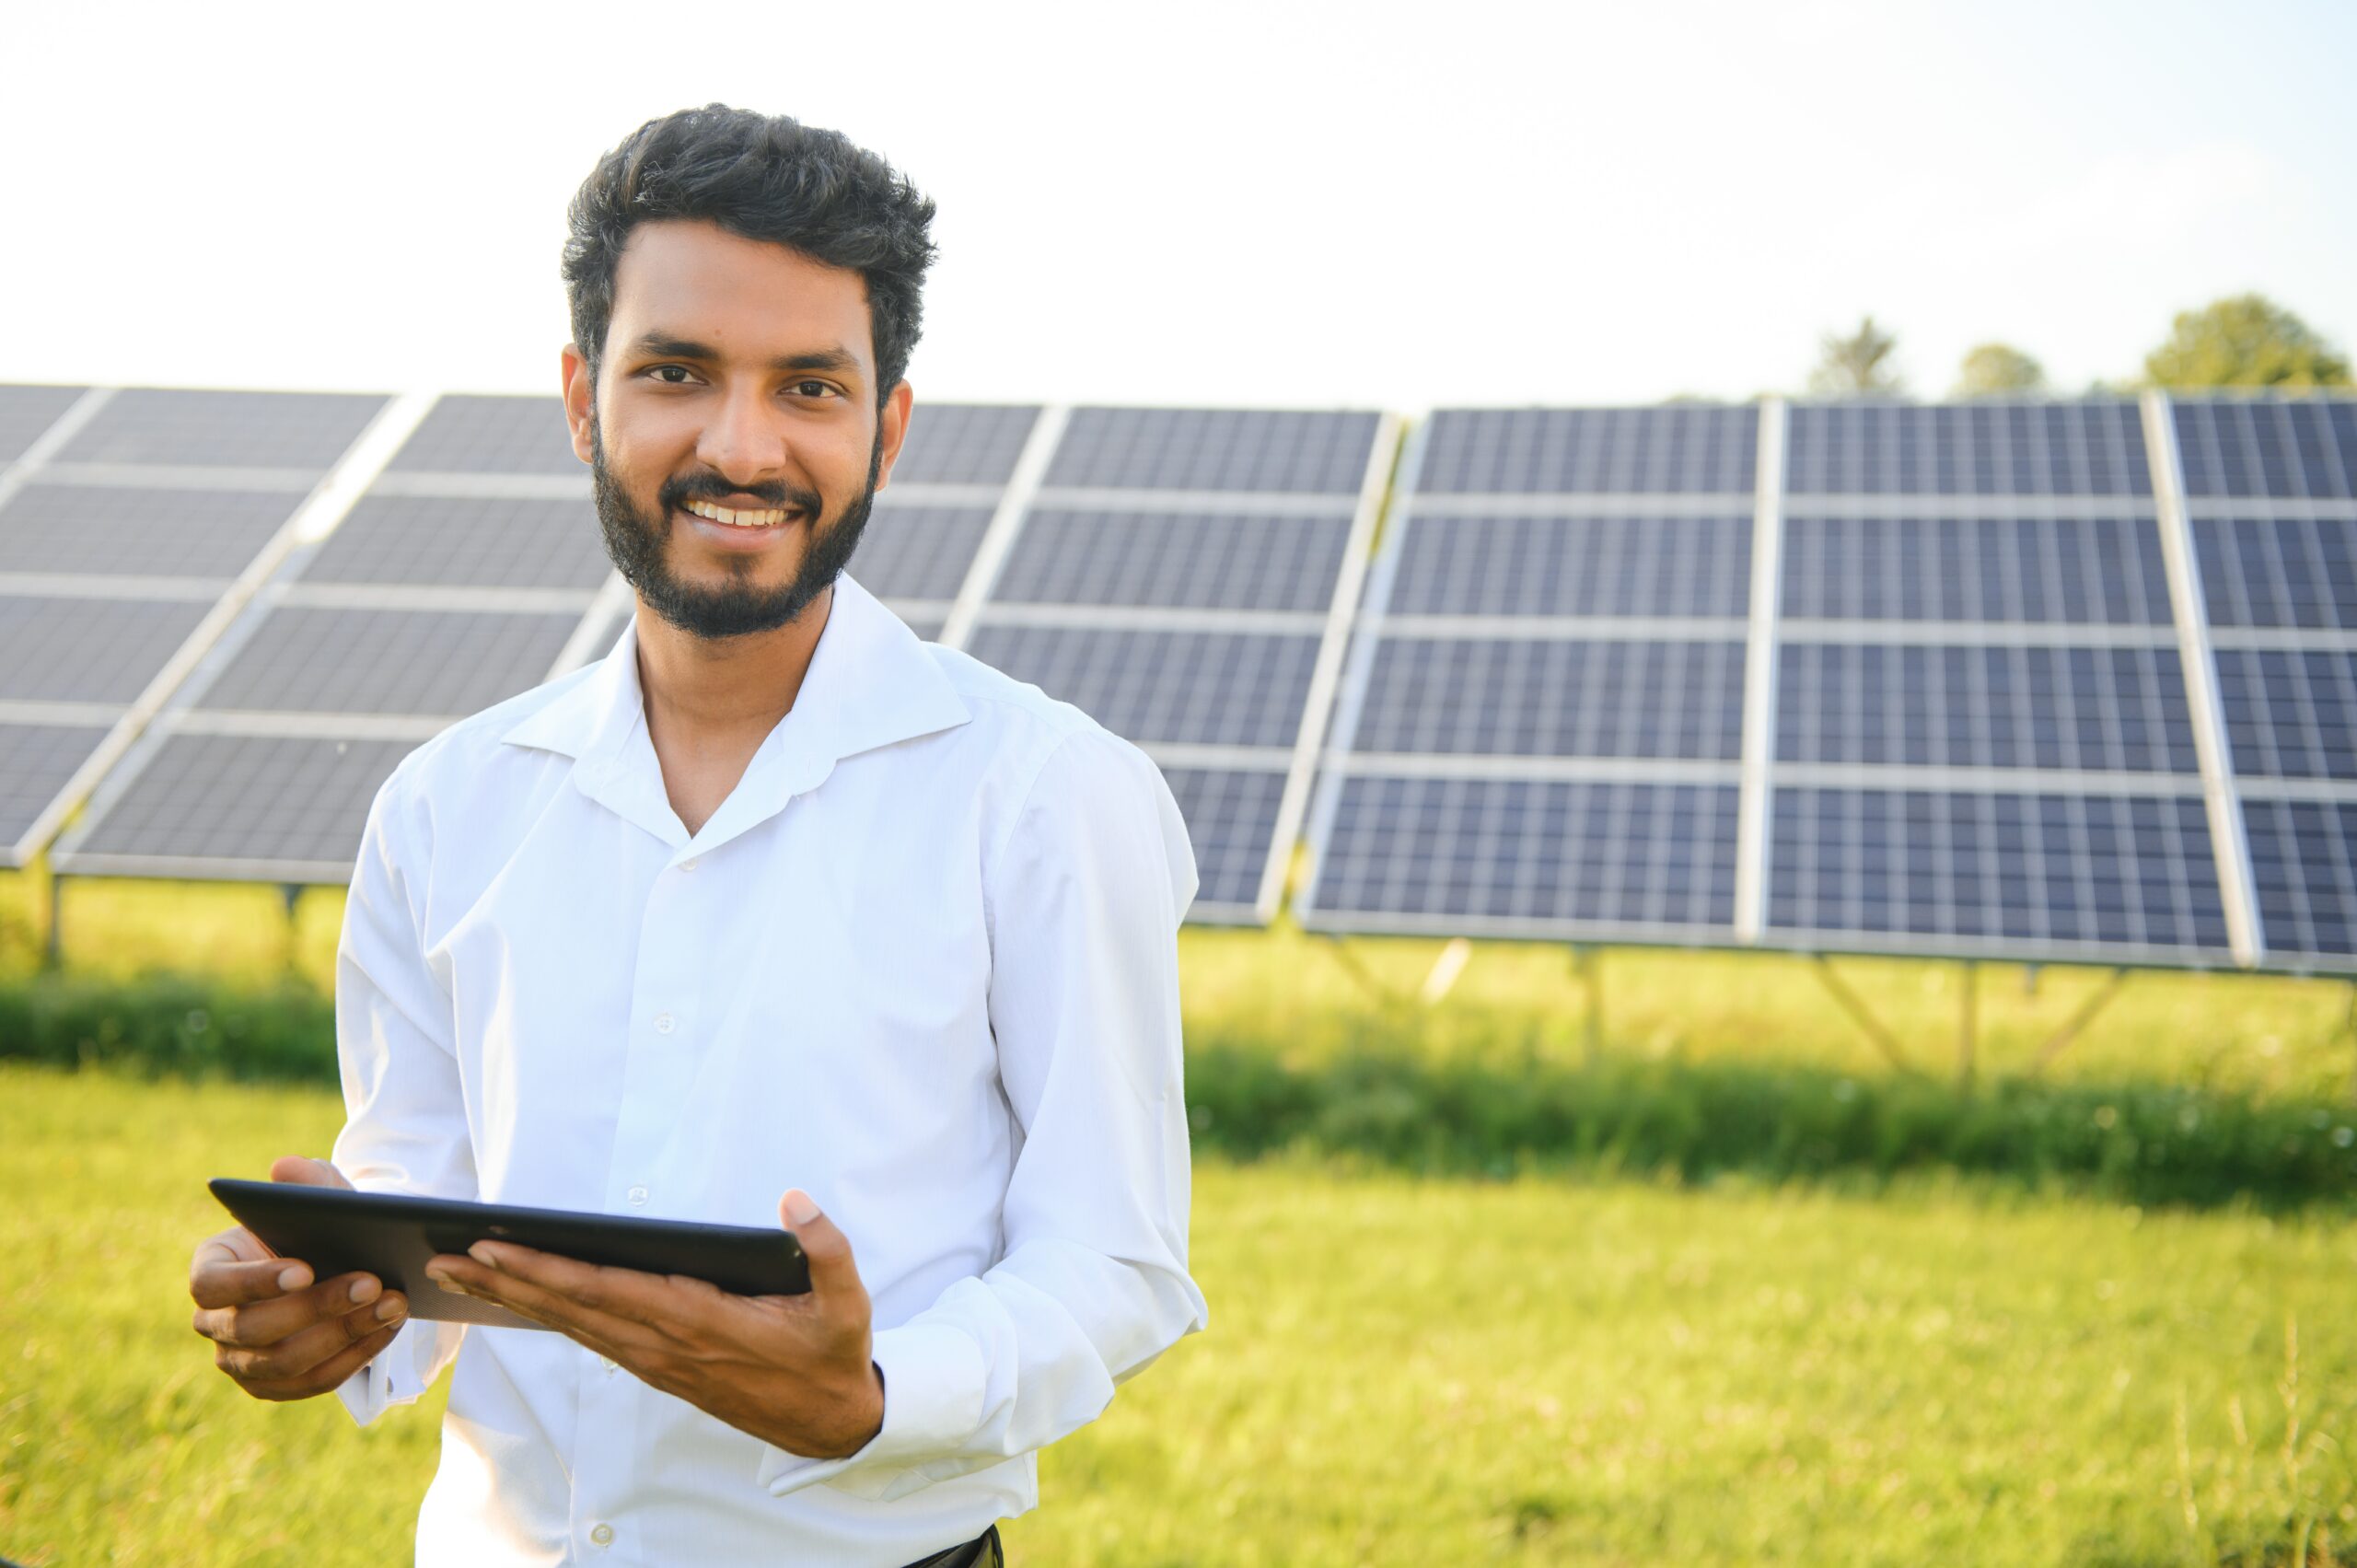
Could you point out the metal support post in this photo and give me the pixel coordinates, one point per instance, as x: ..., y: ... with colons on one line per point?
x: 1589, y: 961
x: 1863, y: 1016
x: 2079, y: 1020
x: 1967, y: 1026
x: 292, y: 894
x: 52, y: 954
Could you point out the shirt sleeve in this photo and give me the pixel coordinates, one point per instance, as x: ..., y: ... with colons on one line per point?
x: 1085, y: 901
x: 405, y: 1128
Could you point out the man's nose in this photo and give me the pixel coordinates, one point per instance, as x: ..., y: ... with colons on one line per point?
x: 744, y: 441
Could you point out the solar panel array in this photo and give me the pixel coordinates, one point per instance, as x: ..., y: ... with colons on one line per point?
x: 2051, y: 681
x: 127, y: 519
x: 471, y: 569
x: 1185, y: 576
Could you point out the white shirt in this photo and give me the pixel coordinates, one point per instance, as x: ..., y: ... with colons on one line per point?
x: 921, y: 962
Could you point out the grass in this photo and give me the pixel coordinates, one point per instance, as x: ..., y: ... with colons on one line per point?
x: 1398, y: 1371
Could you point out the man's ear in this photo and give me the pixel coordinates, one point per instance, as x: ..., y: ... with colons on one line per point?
x: 892, y: 428
x: 580, y: 401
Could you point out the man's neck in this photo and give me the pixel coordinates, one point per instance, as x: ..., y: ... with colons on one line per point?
x: 716, y: 696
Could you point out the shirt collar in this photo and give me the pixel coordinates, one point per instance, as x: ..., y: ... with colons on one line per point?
x: 871, y: 682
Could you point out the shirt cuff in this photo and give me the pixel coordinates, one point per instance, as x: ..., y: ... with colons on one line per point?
x: 403, y: 1371
x: 934, y: 1381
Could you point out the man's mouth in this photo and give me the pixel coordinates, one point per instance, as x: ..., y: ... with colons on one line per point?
x: 741, y: 519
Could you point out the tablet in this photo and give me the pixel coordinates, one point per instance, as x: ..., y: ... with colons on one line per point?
x: 393, y: 1237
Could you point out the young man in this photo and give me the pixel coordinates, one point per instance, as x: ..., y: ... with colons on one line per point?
x: 776, y: 915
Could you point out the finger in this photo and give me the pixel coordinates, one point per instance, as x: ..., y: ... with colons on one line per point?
x: 269, y: 1322
x: 235, y: 1266
x: 300, y: 1353
x: 650, y: 1301
x: 832, y: 1272
x: 329, y: 1372
x: 542, y: 1304
x: 305, y: 1172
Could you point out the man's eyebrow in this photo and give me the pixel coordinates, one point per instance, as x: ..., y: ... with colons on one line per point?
x: 838, y: 360
x: 661, y: 344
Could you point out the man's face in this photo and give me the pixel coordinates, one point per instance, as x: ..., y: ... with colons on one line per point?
x: 733, y: 435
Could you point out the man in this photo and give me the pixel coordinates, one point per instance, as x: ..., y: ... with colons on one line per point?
x: 777, y: 915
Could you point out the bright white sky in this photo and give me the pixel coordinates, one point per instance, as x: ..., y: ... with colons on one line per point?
x: 1400, y: 206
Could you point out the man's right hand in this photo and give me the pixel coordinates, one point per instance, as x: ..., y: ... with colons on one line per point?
x: 276, y: 1333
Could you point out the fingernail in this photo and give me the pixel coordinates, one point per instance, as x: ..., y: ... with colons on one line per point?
x: 364, y: 1289
x: 389, y: 1309
x: 294, y: 1279
x: 481, y: 1253
x: 801, y: 1207
x: 438, y: 1272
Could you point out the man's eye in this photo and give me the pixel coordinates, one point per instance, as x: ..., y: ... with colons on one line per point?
x: 813, y: 390
x: 671, y: 374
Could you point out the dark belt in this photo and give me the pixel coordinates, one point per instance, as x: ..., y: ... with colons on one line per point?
x: 983, y: 1551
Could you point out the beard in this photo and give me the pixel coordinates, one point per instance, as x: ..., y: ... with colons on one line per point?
x: 635, y: 541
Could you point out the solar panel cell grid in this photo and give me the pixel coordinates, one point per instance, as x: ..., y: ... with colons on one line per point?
x: 1231, y: 820
x: 2096, y: 709
x: 391, y: 662
x: 1991, y: 448
x: 1675, y: 451
x: 464, y: 543
x: 1197, y: 688
x: 85, y: 650
x: 293, y: 430
x: 1670, y: 566
x: 2304, y: 863
x: 919, y: 552
x: 964, y: 444
x: 76, y: 529
x: 229, y: 798
x: 1219, y: 450
x: 2028, y: 869
x: 1555, y: 699
x: 1175, y: 560
x: 2292, y: 571
x: 1632, y: 855
x: 493, y: 436
x: 2303, y: 448
x: 25, y: 413
x: 2290, y: 713
x: 2105, y: 571
x: 35, y: 762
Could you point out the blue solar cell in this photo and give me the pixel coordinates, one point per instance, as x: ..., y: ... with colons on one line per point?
x: 2026, y: 868
x: 1175, y: 560
x: 1632, y: 855
x: 1514, y: 697
x: 1681, y: 450
x: 2003, y: 707
x: 2296, y: 448
x: 964, y: 443
x: 2102, y: 570
x: 2279, y: 571
x: 1198, y: 687
x: 1231, y: 820
x: 469, y: 434
x: 297, y: 430
x: 2303, y: 862
x: 919, y: 552
x: 2289, y: 712
x: 1680, y: 567
x: 1223, y: 449
x: 1980, y: 448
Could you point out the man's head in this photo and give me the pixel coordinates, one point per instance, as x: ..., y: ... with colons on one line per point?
x: 745, y: 294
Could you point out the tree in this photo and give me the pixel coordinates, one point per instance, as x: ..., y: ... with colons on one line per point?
x: 2245, y: 341
x: 1994, y: 369
x: 1857, y: 365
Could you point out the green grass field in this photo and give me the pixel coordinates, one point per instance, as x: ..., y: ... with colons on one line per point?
x: 1397, y: 1372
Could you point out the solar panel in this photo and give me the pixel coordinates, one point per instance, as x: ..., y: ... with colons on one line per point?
x: 36, y: 762
x: 110, y: 529
x: 25, y: 413
x: 2303, y: 864
x: 88, y: 650
x: 492, y: 436
x: 1978, y: 448
x: 1540, y: 730
x: 288, y: 430
x: 2290, y: 572
x: 963, y: 444
x: 1214, y: 449
x: 2271, y: 447
x: 1176, y: 560
x: 2098, y: 571
x: 1192, y: 688
x: 465, y: 541
x: 1231, y: 815
x: 374, y: 662
x: 276, y: 807
x: 917, y: 552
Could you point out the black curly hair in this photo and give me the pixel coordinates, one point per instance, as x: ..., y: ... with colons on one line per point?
x: 765, y: 177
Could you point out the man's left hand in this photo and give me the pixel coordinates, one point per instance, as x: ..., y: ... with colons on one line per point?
x: 795, y: 1371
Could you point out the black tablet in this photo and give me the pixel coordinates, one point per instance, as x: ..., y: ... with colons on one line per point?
x: 393, y: 1237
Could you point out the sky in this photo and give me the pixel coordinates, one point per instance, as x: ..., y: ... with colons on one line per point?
x: 1354, y: 205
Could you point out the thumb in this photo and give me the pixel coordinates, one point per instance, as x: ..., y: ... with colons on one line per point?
x: 307, y: 1172
x: 833, y: 1273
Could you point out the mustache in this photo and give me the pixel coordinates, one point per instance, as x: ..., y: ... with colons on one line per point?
x: 682, y: 488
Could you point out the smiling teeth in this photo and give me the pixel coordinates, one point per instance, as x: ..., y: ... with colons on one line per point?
x: 736, y: 519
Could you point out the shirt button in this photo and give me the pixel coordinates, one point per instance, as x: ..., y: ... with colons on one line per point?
x: 665, y: 1023
x: 637, y: 1195
x: 691, y: 863
x: 603, y: 1535
x: 607, y: 1361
